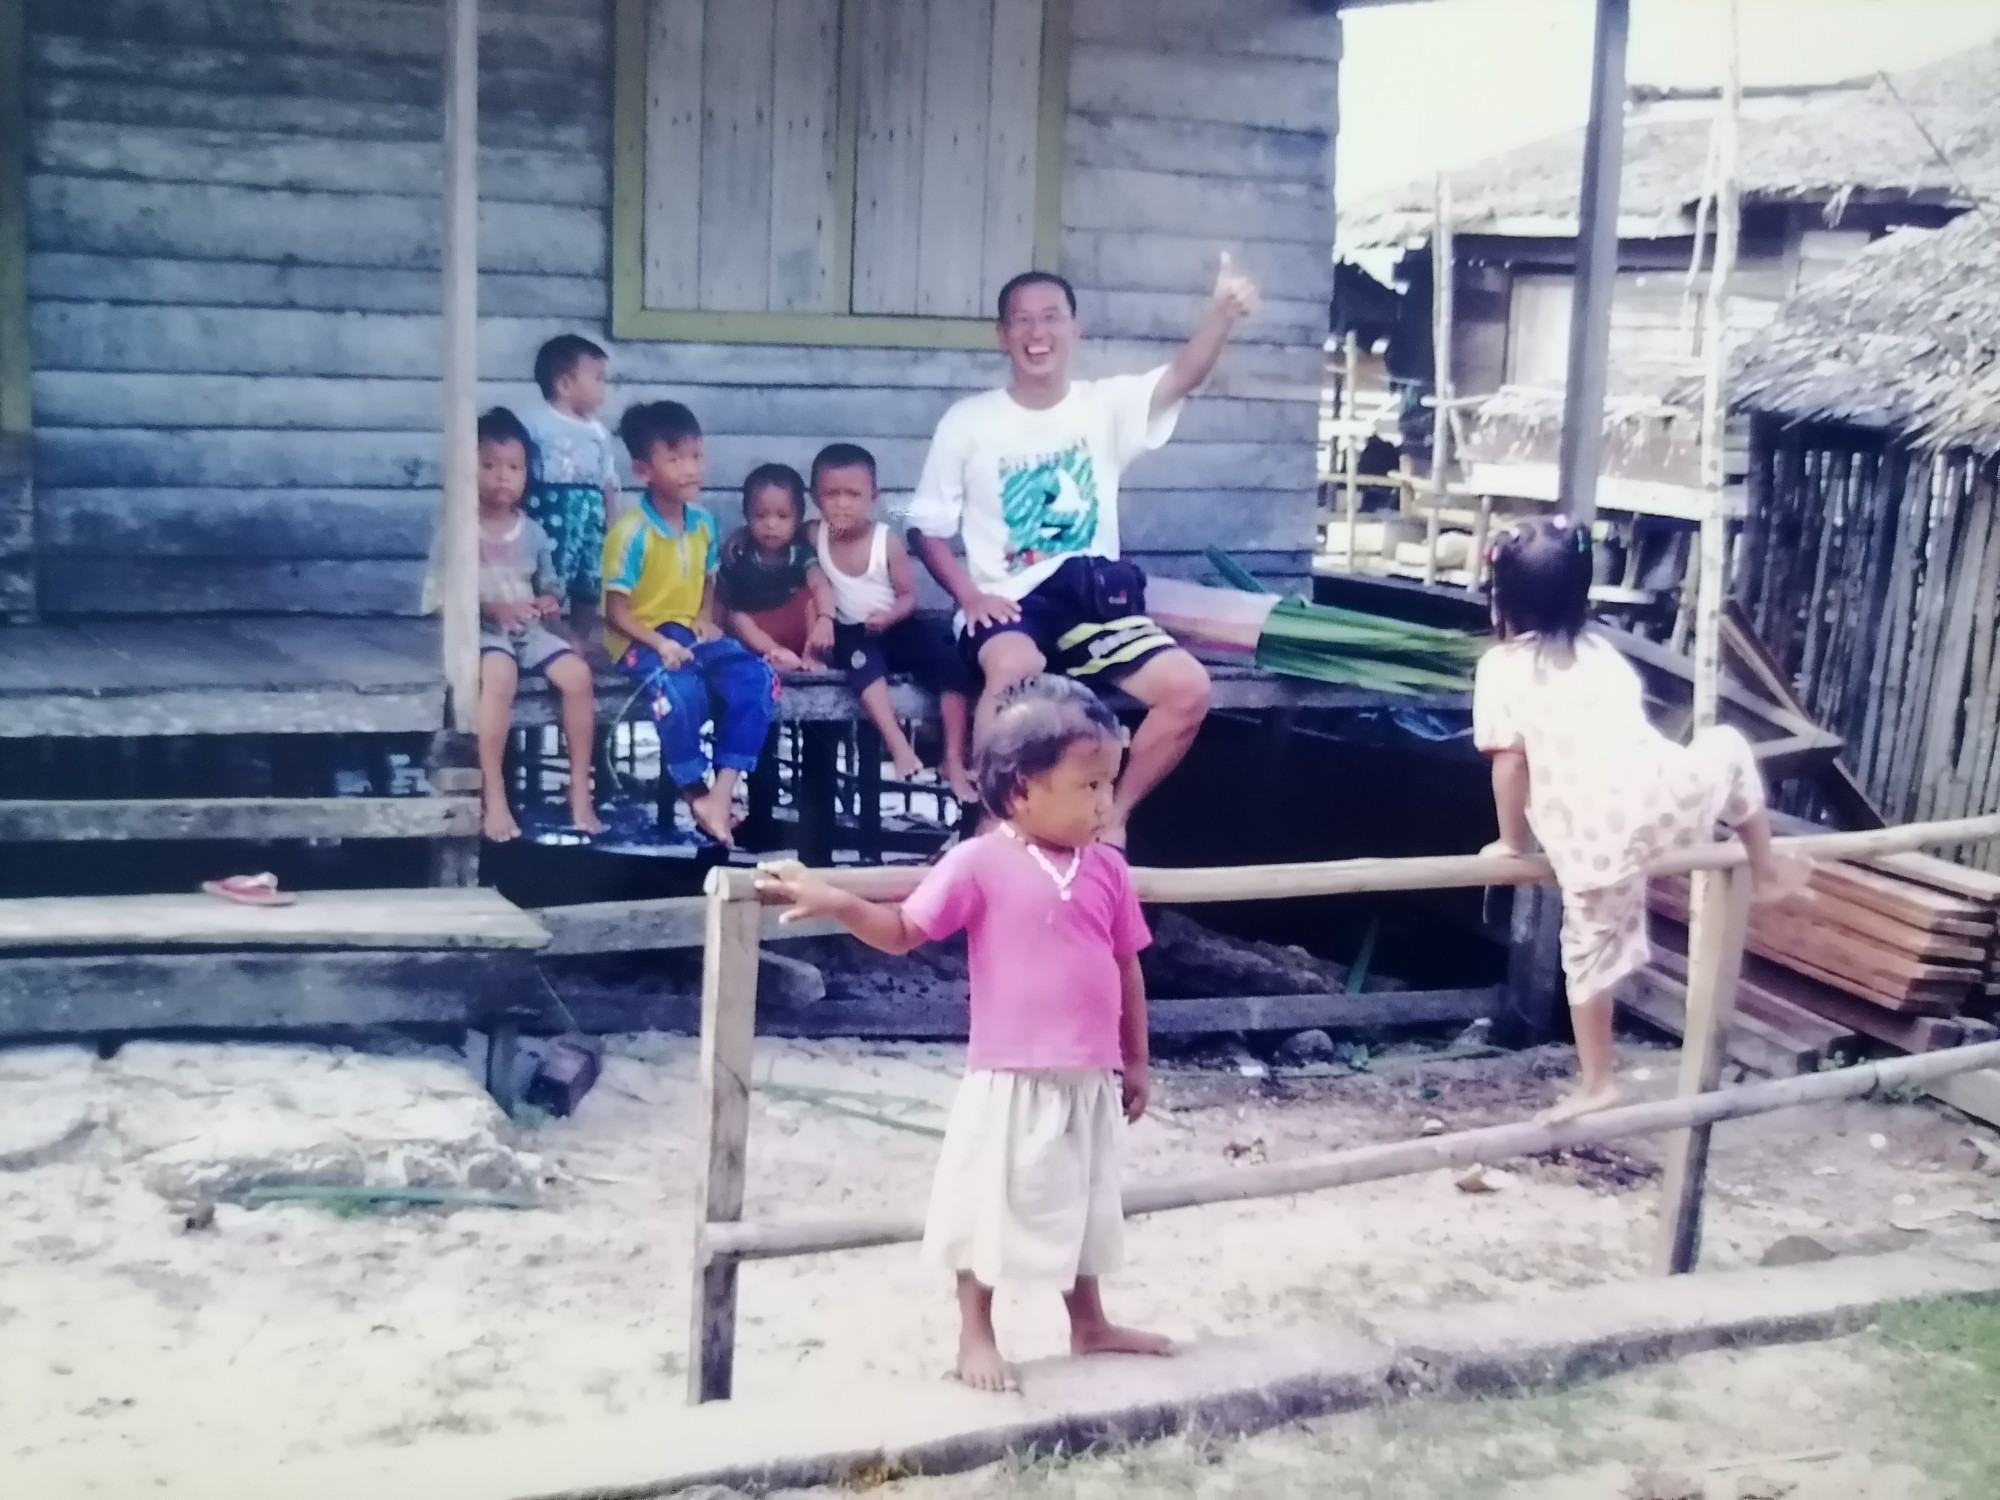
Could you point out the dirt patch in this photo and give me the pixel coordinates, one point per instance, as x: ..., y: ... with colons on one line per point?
x: 288, y: 1329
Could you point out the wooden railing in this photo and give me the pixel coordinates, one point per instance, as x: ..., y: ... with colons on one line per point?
x: 735, y: 921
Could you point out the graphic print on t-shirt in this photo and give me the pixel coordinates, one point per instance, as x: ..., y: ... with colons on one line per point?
x: 1050, y: 505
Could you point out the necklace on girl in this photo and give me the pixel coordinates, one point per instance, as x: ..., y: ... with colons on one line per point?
x: 1064, y: 879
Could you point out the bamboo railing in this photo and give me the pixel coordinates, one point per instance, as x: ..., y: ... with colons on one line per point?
x: 734, y: 924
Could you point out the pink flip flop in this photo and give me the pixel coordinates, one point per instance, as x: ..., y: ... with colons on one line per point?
x: 249, y: 890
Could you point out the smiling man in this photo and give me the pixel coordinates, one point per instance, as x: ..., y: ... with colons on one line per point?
x: 1029, y: 475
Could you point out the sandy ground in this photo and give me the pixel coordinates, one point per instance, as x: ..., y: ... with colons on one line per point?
x: 285, y: 1330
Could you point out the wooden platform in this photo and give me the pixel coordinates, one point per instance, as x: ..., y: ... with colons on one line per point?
x: 127, y: 679
x: 314, y: 675
x: 435, y: 919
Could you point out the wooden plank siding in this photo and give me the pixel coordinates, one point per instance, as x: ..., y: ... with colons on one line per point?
x: 233, y: 292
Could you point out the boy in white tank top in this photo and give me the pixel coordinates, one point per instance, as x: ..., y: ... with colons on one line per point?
x: 876, y: 627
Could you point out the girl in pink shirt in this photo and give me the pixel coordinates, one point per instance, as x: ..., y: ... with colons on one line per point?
x: 1027, y: 1182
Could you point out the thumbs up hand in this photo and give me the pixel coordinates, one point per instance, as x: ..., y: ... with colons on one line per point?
x: 1235, y: 293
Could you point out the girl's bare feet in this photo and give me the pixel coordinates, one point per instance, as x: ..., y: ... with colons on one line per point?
x: 1583, y: 1101
x: 910, y: 769
x: 980, y: 1365
x: 1091, y: 1332
x: 714, y: 814
x: 497, y: 821
x: 583, y: 815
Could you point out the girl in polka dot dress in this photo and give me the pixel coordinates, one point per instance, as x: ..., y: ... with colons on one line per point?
x: 1576, y: 762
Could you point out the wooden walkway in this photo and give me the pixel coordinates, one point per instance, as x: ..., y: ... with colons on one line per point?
x: 463, y: 918
x: 318, y: 675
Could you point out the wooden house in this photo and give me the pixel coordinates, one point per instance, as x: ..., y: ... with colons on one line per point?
x: 231, y: 292
x: 1870, y: 561
x: 1824, y: 173
x: 791, y: 214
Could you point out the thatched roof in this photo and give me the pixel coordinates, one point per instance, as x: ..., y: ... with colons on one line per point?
x: 1905, y: 338
x: 1862, y: 143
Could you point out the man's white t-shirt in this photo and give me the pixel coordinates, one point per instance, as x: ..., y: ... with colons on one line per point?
x: 1030, y: 488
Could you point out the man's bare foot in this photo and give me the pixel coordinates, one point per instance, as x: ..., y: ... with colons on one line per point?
x: 584, y: 816
x: 908, y: 770
x: 1783, y: 878
x: 1109, y: 1338
x: 1581, y: 1102
x: 498, y: 823
x: 714, y: 816
x: 980, y: 1365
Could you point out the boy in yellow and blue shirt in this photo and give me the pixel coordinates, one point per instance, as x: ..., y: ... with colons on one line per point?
x: 660, y: 560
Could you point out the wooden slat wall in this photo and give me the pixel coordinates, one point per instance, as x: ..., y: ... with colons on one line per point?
x: 234, y: 300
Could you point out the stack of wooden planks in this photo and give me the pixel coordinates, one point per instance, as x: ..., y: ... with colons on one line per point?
x: 1896, y: 952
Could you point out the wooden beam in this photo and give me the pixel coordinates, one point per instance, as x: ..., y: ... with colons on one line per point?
x: 1444, y: 282
x: 810, y: 697
x: 1582, y: 448
x: 1975, y: 1094
x: 1721, y: 912
x: 256, y: 818
x: 1432, y: 872
x: 770, y: 1239
x: 319, y: 919
x: 85, y: 715
x: 458, y: 586
x: 728, y: 1036
x: 649, y: 926
x: 236, y: 993
x: 16, y: 361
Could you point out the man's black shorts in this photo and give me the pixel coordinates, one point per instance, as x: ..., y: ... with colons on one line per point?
x: 920, y: 646
x: 1088, y: 619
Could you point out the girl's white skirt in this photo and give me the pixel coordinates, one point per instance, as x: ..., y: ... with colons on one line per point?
x: 1027, y: 1183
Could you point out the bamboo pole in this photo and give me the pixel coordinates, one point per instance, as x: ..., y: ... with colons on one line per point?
x: 1348, y: 877
x: 459, y: 517
x: 728, y: 1040
x: 1718, y: 902
x: 1444, y: 279
x: 770, y: 1239
x: 1349, y: 405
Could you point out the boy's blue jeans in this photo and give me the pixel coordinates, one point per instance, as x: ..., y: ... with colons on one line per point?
x: 725, y: 681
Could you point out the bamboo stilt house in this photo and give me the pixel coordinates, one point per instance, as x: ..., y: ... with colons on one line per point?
x: 1870, y: 558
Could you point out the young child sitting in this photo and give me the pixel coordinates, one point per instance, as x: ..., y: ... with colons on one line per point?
x: 876, y: 627
x: 659, y: 605
x: 777, y: 600
x: 1027, y: 1181
x: 1575, y: 760
x: 518, y: 589
x: 575, y: 491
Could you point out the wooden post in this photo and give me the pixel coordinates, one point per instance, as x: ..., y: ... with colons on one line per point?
x: 1444, y: 279
x: 459, y: 521
x: 1582, y: 447
x: 1350, y: 404
x: 868, y: 794
x: 728, y: 1036
x: 1718, y: 901
x: 1531, y: 998
x: 818, y: 791
x: 1717, y: 930
x: 1715, y: 354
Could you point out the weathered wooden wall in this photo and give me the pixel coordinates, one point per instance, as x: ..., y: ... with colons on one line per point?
x: 1872, y: 572
x: 233, y: 229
